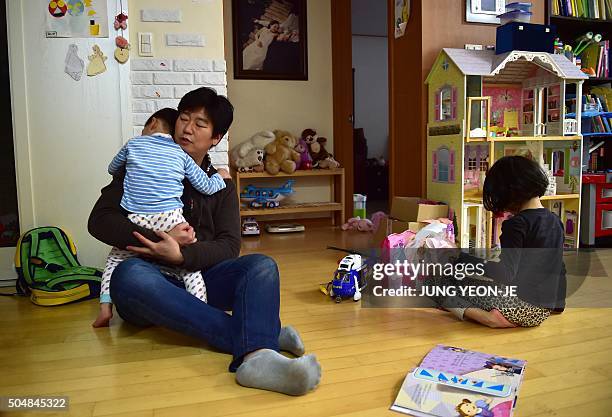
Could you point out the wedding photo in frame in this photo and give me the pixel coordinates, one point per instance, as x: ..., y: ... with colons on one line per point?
x: 270, y: 39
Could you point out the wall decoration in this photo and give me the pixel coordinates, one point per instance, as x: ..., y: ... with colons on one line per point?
x: 75, y: 18
x: 96, y: 62
x: 122, y: 52
x: 270, y: 39
x: 74, y: 64
x: 402, y: 14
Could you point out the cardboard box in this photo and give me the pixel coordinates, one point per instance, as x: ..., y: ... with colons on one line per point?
x: 408, y: 213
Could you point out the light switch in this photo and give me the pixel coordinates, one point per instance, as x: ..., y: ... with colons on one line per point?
x: 145, y: 44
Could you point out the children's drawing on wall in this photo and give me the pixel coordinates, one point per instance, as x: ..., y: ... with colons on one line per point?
x: 96, y: 62
x: 402, y: 13
x: 505, y: 105
x: 74, y: 64
x: 75, y: 18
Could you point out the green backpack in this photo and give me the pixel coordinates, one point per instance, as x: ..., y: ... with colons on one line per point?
x: 48, y: 269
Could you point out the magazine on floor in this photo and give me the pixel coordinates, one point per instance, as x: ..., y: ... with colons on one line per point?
x: 452, y: 381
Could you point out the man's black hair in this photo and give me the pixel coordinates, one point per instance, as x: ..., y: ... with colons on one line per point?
x: 167, y: 117
x: 512, y: 181
x: 218, y: 108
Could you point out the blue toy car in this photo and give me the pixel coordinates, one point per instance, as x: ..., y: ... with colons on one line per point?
x: 349, y: 279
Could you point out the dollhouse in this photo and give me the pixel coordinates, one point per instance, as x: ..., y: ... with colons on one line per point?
x: 483, y: 106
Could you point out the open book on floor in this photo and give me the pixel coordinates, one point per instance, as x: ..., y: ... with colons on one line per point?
x: 452, y: 382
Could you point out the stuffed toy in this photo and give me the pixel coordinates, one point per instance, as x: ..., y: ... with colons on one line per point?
x: 281, y: 154
x: 252, y: 162
x: 310, y: 137
x: 120, y: 21
x: 322, y: 158
x: 305, y: 158
x: 359, y: 224
x: 258, y: 141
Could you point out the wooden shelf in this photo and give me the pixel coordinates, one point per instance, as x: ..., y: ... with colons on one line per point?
x: 336, y: 205
x: 293, y: 208
x: 477, y: 198
x: 561, y: 197
x: 299, y: 173
x: 532, y: 138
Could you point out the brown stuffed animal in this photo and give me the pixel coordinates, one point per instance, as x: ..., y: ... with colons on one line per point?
x: 280, y: 154
x: 322, y: 158
x: 310, y: 137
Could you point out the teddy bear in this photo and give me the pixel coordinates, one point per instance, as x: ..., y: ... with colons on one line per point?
x: 305, y: 158
x: 281, y: 154
x: 252, y: 162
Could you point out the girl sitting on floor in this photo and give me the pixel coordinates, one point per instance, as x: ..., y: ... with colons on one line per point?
x: 531, y: 251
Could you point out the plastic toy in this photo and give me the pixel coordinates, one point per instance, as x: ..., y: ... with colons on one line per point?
x: 250, y: 227
x: 266, y: 197
x: 349, y: 279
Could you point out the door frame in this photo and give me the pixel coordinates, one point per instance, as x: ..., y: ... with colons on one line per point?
x: 342, y: 91
x: 343, y: 100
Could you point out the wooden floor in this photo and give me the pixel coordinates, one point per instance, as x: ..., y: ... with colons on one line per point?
x: 365, y: 353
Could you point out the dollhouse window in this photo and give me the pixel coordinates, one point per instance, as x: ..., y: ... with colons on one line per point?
x: 471, y: 164
x: 484, y: 164
x: 446, y: 103
x: 444, y: 165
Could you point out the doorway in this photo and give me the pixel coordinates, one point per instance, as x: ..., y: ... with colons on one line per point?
x: 370, y: 47
x: 356, y: 132
x: 9, y: 213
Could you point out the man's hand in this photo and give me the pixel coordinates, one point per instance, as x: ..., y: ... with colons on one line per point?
x: 224, y: 173
x: 184, y: 234
x: 167, y: 250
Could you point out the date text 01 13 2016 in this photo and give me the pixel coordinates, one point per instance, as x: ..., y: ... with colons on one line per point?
x: 33, y: 403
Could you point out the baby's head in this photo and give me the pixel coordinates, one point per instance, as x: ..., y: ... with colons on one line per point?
x: 162, y: 121
x: 511, y: 182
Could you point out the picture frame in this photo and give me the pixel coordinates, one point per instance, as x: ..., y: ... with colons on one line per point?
x: 270, y: 39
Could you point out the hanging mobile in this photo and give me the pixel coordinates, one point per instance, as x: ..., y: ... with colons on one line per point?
x: 122, y: 51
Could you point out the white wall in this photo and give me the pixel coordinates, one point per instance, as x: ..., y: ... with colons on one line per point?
x: 369, y: 27
x: 66, y: 131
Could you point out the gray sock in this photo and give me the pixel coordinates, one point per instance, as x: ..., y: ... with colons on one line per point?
x: 272, y: 371
x: 289, y: 340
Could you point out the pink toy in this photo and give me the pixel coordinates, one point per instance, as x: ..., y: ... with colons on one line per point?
x: 305, y: 158
x: 377, y: 218
x: 357, y: 223
x: 120, y: 21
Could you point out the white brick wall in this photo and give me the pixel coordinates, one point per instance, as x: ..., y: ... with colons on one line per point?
x: 159, y: 83
x: 156, y: 15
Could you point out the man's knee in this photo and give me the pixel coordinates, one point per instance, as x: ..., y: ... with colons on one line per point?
x: 262, y: 268
x: 133, y: 272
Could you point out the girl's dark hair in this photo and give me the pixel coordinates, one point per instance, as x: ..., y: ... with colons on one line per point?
x: 512, y: 181
x: 167, y: 117
x: 218, y: 108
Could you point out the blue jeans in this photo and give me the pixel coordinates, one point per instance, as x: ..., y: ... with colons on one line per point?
x: 248, y: 286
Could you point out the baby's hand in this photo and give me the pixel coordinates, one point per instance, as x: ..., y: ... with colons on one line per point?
x: 183, y: 233
x: 224, y: 173
x: 104, y: 316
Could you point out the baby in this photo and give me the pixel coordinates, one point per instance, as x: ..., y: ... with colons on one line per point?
x: 155, y: 167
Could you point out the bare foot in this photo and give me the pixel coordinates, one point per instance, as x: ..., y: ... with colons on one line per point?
x: 500, y: 320
x: 493, y: 318
x: 104, y: 316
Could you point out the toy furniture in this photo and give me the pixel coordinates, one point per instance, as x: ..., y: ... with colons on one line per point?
x: 484, y: 106
x: 335, y: 204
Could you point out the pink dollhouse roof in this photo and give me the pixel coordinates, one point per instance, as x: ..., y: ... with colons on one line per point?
x: 487, y: 64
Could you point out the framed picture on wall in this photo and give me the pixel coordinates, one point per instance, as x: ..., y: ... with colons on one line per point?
x: 270, y: 39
